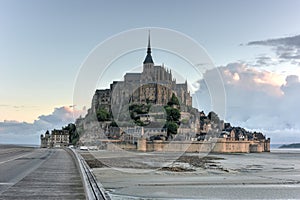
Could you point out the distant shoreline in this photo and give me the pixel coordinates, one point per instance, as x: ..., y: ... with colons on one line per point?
x: 290, y: 146
x: 18, y: 145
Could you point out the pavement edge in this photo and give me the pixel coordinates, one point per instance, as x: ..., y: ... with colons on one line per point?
x: 93, y: 190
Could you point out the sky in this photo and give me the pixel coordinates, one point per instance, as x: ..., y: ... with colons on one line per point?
x: 254, y: 44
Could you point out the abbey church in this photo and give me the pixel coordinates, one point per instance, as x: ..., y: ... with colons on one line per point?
x: 155, y: 84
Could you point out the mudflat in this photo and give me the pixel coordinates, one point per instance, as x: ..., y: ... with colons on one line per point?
x: 130, y: 175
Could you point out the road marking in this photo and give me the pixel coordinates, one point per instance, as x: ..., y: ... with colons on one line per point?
x: 7, y: 183
x: 26, y: 154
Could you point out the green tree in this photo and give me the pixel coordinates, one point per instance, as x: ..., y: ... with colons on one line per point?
x: 173, y: 114
x: 136, y: 110
x: 73, y: 133
x: 171, y: 128
x: 173, y: 101
x: 113, y: 124
x: 139, y: 108
x: 103, y: 114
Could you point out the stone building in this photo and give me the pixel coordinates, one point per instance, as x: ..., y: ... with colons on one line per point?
x: 155, y: 84
x: 45, y: 140
x: 57, y: 138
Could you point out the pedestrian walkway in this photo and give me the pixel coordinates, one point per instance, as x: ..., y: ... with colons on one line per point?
x: 56, y: 178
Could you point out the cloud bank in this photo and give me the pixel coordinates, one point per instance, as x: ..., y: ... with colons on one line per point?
x: 258, y: 100
x: 28, y: 133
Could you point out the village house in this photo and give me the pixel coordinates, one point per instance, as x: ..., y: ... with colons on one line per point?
x: 57, y: 139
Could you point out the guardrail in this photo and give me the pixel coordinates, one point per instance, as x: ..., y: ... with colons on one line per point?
x: 92, y: 189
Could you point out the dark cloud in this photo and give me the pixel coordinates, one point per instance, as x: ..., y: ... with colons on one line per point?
x: 264, y: 61
x: 286, y: 49
x: 28, y: 133
x: 293, y: 41
x: 258, y: 100
x: 291, y: 80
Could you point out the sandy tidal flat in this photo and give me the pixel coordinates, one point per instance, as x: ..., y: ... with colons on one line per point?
x: 274, y: 175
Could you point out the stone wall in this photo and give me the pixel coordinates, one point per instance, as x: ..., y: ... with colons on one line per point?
x: 219, y: 146
x: 121, y: 146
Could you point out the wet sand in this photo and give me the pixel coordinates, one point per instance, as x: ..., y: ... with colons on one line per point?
x: 274, y: 175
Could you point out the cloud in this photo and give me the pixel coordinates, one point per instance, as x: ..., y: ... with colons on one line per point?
x: 293, y: 41
x: 258, y: 100
x: 286, y: 49
x: 291, y: 80
x: 28, y: 133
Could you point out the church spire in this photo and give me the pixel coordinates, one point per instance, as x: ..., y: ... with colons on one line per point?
x: 148, y: 58
x: 149, y: 46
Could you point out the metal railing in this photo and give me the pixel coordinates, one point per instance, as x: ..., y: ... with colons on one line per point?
x: 92, y: 189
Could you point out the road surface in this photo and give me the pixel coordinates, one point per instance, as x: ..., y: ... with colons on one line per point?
x: 32, y: 173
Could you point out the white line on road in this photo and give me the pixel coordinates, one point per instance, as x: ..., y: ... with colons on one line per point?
x: 7, y: 183
x: 26, y: 154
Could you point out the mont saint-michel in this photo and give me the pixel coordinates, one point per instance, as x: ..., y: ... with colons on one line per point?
x: 150, y: 111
